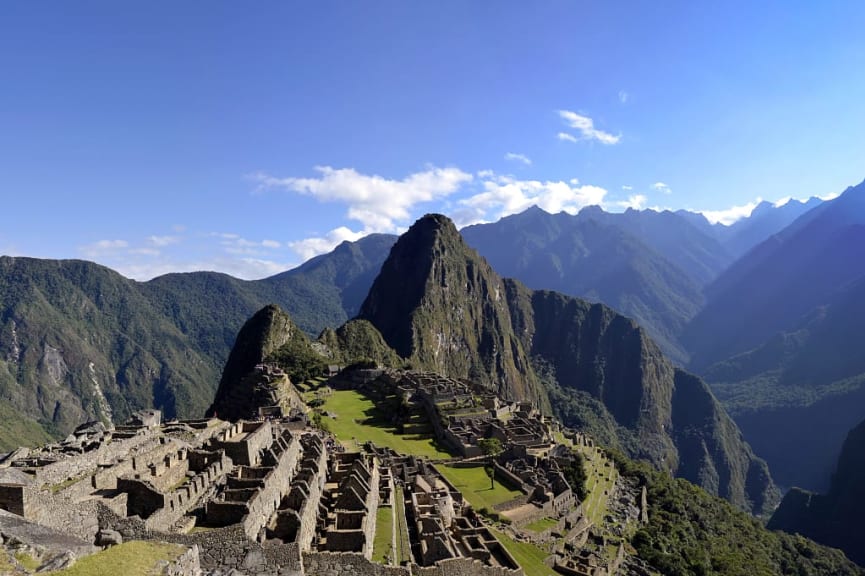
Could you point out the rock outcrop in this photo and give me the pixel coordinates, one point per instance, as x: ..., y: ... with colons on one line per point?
x: 441, y: 306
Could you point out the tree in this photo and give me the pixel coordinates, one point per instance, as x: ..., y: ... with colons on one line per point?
x: 491, y: 447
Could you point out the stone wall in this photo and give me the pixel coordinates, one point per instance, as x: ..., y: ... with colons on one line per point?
x: 187, y: 564
x: 12, y: 499
x: 81, y: 464
x: 179, y: 501
x: 354, y: 564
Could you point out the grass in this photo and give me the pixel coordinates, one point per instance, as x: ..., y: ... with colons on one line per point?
x: 27, y: 561
x: 135, y: 558
x: 402, y: 540
x: 55, y: 488
x: 541, y: 525
x: 475, y: 486
x: 595, y: 506
x: 528, y: 556
x: 358, y: 420
x: 382, y: 545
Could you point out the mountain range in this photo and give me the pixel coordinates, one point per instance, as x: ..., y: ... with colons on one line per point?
x: 80, y: 342
x: 735, y: 304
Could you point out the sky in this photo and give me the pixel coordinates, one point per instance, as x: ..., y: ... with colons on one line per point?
x: 171, y: 136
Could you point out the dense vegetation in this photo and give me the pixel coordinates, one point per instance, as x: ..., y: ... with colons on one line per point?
x: 693, y: 533
x: 835, y: 518
x: 73, y: 333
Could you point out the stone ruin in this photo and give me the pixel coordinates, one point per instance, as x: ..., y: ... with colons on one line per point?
x: 254, y: 496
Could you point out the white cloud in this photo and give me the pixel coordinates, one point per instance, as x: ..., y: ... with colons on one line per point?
x: 782, y: 202
x: 730, y: 215
x: 627, y: 188
x: 503, y: 195
x: 244, y: 268
x: 521, y: 158
x: 635, y: 201
x: 376, y: 202
x: 310, y: 247
x: 586, y: 128
x: 661, y: 187
x: 162, y: 241
x: 102, y: 247
x: 235, y: 244
x: 827, y: 197
x: 566, y: 137
x: 623, y: 97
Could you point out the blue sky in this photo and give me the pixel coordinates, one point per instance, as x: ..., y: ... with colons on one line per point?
x: 246, y: 137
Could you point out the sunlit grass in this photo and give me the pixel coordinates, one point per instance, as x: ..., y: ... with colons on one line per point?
x: 135, y: 558
x: 528, y: 556
x: 382, y: 545
x: 358, y: 421
x: 475, y: 486
x: 541, y: 525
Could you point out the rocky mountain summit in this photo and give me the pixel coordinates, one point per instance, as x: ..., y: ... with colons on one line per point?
x: 437, y: 303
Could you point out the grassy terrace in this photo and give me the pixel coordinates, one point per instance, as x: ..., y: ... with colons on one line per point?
x: 541, y: 525
x: 382, y: 546
x: 402, y: 540
x: 530, y: 557
x: 358, y: 420
x: 475, y: 486
x: 130, y: 559
x: 595, y: 506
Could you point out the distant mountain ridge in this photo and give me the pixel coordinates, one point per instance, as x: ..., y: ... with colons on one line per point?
x: 789, y: 317
x: 79, y: 341
x: 440, y: 306
x: 652, y: 266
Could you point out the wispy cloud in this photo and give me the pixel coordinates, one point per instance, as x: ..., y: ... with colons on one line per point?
x: 662, y: 187
x: 627, y: 188
x: 309, y: 247
x: 566, y: 137
x: 161, y: 241
x: 635, y: 201
x: 732, y: 214
x: 521, y: 158
x: 586, y: 128
x: 379, y: 204
x: 623, y: 97
x: 504, y: 195
x: 102, y: 247
x: 155, y: 255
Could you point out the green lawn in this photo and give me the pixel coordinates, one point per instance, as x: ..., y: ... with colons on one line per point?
x: 595, y: 506
x: 359, y: 421
x: 530, y: 557
x: 135, y: 558
x: 541, y: 525
x: 402, y: 540
x: 475, y: 486
x: 382, y: 546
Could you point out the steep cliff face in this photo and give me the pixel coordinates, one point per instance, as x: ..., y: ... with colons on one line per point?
x: 835, y: 518
x: 440, y: 305
x: 437, y: 303
x: 641, y: 402
x: 266, y: 332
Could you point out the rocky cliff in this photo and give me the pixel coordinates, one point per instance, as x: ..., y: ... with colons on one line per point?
x: 438, y: 304
x: 266, y: 332
x: 835, y: 518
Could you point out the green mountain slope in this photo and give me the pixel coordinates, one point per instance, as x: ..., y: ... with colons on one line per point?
x: 647, y: 265
x: 814, y: 374
x: 438, y: 304
x: 781, y: 280
x: 835, y: 518
x: 80, y: 342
